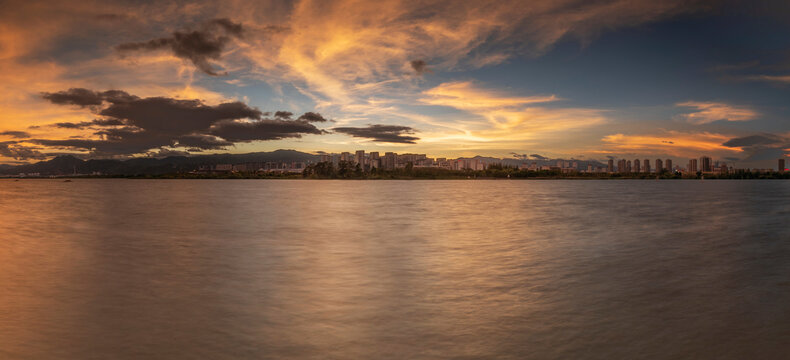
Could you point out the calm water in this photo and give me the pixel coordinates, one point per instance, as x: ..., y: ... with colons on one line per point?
x: 122, y: 269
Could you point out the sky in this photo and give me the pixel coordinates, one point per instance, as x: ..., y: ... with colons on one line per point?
x: 581, y: 79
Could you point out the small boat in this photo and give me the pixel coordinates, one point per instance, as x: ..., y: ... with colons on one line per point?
x: 67, y: 180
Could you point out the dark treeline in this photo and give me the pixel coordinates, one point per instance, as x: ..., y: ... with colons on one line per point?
x: 349, y: 170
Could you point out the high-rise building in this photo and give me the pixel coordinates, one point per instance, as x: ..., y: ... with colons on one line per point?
x: 668, y: 165
x: 647, y: 166
x: 628, y: 166
x: 637, y: 166
x: 781, y: 165
x: 659, y: 166
x: 325, y: 157
x: 706, y: 163
x: 359, y: 158
x: 610, y: 166
x: 389, y: 161
x: 621, y: 166
x: 345, y: 156
x: 374, y: 160
x: 692, y: 168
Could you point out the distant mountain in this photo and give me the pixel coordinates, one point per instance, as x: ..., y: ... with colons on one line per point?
x: 67, y: 164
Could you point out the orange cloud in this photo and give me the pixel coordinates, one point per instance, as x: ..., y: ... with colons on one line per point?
x: 675, y: 143
x: 708, y: 112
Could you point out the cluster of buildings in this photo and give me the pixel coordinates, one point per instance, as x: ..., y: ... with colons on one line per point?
x: 392, y: 161
x: 704, y: 164
x: 272, y: 166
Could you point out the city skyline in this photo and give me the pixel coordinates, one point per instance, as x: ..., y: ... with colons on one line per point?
x: 557, y: 79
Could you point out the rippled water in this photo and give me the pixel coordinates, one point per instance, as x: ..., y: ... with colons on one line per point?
x: 231, y: 269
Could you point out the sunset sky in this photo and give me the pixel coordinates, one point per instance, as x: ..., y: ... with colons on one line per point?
x: 572, y: 79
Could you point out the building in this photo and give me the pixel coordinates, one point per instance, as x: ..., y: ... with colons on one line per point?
x: 628, y: 166
x: 647, y: 166
x: 668, y: 165
x: 389, y: 161
x: 359, y: 158
x: 621, y: 166
x: 781, y: 165
x: 610, y: 166
x: 659, y: 166
x: 692, y: 168
x: 345, y: 156
x: 637, y: 166
x: 706, y: 163
x: 325, y: 157
x: 374, y: 161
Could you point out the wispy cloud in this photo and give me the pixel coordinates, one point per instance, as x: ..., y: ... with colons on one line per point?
x: 708, y: 112
x: 674, y: 143
x: 769, y: 78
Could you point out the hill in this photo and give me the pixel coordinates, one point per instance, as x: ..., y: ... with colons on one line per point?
x: 67, y: 164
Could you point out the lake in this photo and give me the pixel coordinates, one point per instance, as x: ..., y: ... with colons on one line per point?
x: 458, y: 269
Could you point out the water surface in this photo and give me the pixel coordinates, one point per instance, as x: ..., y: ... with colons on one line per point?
x: 287, y: 269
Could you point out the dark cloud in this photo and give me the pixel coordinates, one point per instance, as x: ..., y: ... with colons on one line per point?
x: 312, y: 117
x: 68, y: 125
x: 610, y: 157
x: 267, y: 129
x: 84, y: 97
x: 382, y: 133
x: 130, y: 125
x: 283, y: 114
x: 88, y: 124
x: 164, y: 152
x: 420, y: 67
x: 175, y: 117
x: 520, y: 156
x: 20, y: 152
x: 203, y: 142
x: 229, y: 26
x: 538, y: 157
x: 760, y: 147
x: 197, y: 46
x: 15, y: 134
x: 667, y: 142
x: 754, y: 140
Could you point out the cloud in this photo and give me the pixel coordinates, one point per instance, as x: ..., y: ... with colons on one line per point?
x: 20, y: 152
x: 538, y: 157
x: 84, y: 97
x: 283, y: 114
x: 381, y: 133
x: 495, y: 116
x: 131, y: 125
x: 755, y: 140
x: 88, y: 124
x: 267, y: 129
x: 760, y: 147
x: 197, y: 46
x: 312, y: 117
x: 784, y: 79
x: 683, y: 144
x: 708, y: 112
x: 351, y: 56
x: 15, y: 134
x: 420, y: 66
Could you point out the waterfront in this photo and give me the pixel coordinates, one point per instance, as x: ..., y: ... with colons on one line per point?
x: 116, y: 268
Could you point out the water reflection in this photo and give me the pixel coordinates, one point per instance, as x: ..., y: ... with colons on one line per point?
x: 394, y: 269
